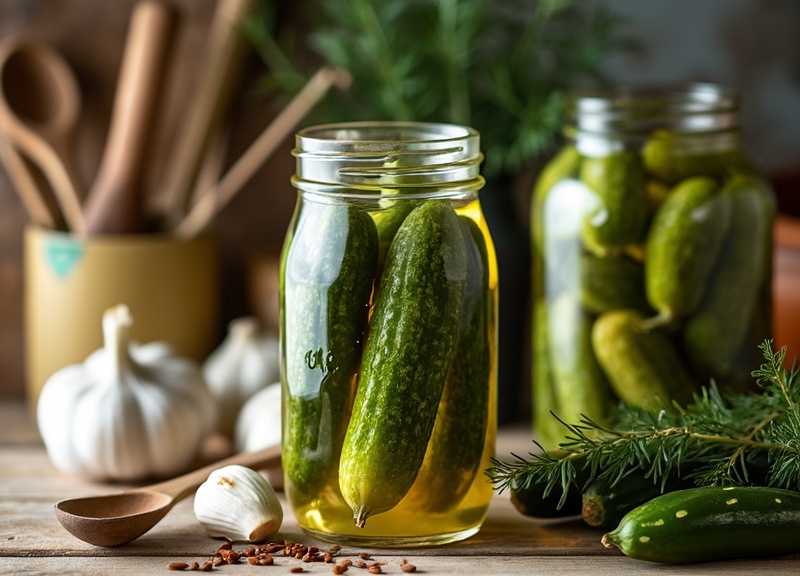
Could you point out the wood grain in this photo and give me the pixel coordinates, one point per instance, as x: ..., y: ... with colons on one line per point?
x: 32, y: 541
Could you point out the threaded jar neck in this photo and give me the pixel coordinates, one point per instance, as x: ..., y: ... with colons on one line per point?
x: 698, y: 108
x: 371, y: 156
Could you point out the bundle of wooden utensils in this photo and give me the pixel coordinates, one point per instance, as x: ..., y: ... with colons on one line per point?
x: 40, y: 105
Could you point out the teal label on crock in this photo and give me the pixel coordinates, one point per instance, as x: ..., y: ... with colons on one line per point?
x: 63, y: 254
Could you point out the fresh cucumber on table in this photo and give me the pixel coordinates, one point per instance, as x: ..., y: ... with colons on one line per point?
x: 710, y: 523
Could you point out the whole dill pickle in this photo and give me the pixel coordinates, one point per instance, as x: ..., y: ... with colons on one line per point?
x: 674, y: 157
x: 459, y: 435
x: 621, y: 211
x: 564, y: 165
x: 412, y: 335
x: 714, y: 335
x: 326, y: 280
x: 682, y: 246
x: 641, y: 363
x: 610, y: 282
x: 605, y: 502
x: 549, y: 431
x: 580, y: 386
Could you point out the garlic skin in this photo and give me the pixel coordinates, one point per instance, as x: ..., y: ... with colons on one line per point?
x: 259, y: 426
x: 239, y: 504
x: 259, y: 422
x: 128, y: 412
x: 243, y: 364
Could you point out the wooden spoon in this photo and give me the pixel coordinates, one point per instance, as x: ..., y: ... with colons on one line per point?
x: 39, y: 108
x: 114, y: 204
x: 115, y: 519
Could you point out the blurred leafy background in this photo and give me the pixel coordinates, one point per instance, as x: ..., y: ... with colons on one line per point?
x: 501, y: 66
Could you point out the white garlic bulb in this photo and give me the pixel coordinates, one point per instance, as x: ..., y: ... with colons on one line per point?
x: 128, y: 412
x: 259, y: 422
x: 243, y: 364
x: 239, y: 504
x: 259, y: 426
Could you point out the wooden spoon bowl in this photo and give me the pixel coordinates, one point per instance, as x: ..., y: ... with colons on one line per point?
x: 115, y: 519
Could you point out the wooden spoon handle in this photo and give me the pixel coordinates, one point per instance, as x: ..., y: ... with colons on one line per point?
x: 114, y: 204
x: 215, y: 198
x: 30, y: 194
x: 222, y: 59
x: 182, y: 486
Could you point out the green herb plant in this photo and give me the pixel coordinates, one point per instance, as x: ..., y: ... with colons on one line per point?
x: 736, y: 439
x: 501, y: 66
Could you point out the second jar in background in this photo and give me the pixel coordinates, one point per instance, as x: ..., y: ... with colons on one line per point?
x: 652, y: 243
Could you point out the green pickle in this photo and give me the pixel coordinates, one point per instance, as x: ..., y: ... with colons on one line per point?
x: 580, y: 385
x: 652, y: 256
x: 714, y: 335
x: 612, y: 282
x: 642, y: 364
x: 620, y: 214
x: 672, y: 158
x: 683, y: 243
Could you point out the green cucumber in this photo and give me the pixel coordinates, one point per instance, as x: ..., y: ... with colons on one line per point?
x: 715, y: 334
x: 549, y: 431
x: 683, y: 243
x: 327, y: 275
x: 580, y: 386
x: 530, y: 498
x: 564, y: 165
x: 710, y: 523
x: 641, y: 362
x: 605, y: 502
x: 412, y: 335
x: 459, y: 435
x: 621, y: 209
x: 611, y: 282
x: 675, y: 157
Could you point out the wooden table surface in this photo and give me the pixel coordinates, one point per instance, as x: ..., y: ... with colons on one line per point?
x: 32, y: 541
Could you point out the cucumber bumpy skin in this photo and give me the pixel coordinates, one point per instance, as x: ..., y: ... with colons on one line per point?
x: 715, y: 334
x: 457, y: 441
x: 327, y: 274
x: 412, y: 335
x: 641, y: 363
x: 620, y: 215
x: 683, y: 243
x: 710, y: 523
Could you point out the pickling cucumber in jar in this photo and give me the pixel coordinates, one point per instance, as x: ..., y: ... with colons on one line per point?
x: 325, y: 290
x: 642, y: 230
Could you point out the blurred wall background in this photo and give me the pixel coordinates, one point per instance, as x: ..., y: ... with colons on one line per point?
x: 751, y: 44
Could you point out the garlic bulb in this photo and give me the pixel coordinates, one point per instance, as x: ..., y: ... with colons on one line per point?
x: 244, y: 363
x: 238, y: 503
x: 128, y: 412
x: 259, y: 426
x: 259, y: 423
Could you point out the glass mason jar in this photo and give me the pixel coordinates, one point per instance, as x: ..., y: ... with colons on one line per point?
x: 388, y: 333
x: 652, y: 243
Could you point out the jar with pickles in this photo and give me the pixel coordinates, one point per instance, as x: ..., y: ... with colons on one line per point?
x: 389, y: 335
x: 652, y: 249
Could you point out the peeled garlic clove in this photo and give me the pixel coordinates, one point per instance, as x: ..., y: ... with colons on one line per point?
x: 239, y: 504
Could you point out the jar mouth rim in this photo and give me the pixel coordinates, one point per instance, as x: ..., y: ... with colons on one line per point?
x: 387, y: 153
x: 692, y: 97
x: 641, y: 108
x: 371, y: 137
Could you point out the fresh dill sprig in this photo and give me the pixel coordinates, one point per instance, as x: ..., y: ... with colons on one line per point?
x: 720, y: 439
